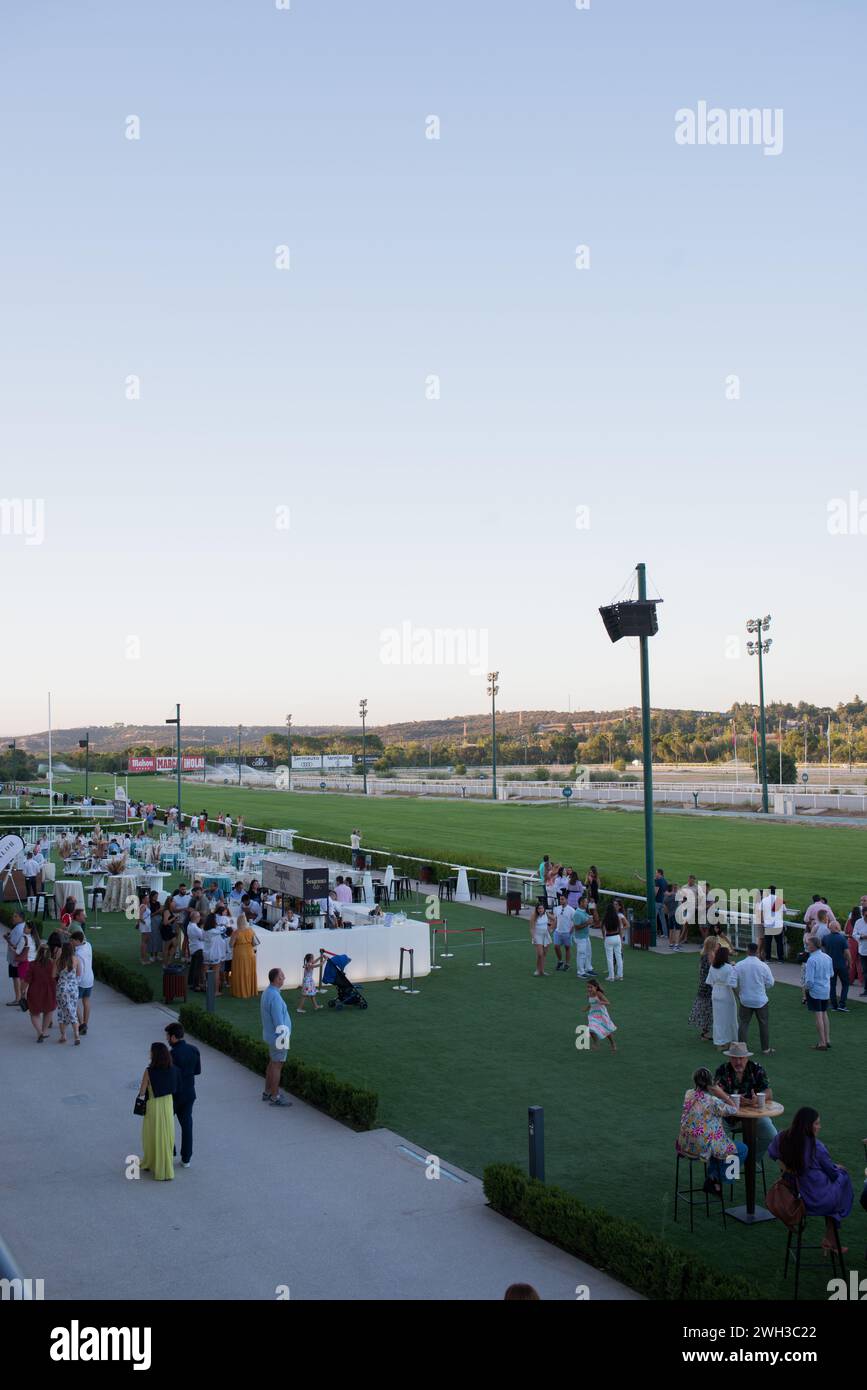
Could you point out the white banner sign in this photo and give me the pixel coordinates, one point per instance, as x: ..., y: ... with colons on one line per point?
x: 10, y: 848
x: 304, y: 762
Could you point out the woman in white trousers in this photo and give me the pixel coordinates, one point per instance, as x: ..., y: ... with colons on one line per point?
x: 612, y: 938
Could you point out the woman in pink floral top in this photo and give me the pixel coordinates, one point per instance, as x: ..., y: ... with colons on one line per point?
x: 701, y: 1128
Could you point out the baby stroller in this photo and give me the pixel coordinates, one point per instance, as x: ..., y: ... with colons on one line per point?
x: 347, y: 992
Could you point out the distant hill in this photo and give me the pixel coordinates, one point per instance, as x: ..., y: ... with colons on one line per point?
x: 114, y: 738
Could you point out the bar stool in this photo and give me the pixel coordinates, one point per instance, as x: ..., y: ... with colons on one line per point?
x: 836, y: 1253
x: 513, y: 903
x: 473, y: 884
x: 49, y: 907
x: 690, y: 1194
x: 446, y: 888
x: 95, y: 890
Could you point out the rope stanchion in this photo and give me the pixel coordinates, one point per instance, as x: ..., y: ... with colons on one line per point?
x: 437, y: 923
x: 457, y: 931
x: 484, y: 961
x: 400, y: 986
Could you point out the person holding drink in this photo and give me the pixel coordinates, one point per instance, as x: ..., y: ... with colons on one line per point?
x: 747, y: 1082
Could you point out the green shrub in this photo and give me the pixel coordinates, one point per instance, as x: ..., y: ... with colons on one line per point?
x: 618, y: 1247
x: 119, y: 977
x: 352, y: 1105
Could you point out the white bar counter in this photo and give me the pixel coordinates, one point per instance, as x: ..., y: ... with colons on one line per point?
x: 374, y: 951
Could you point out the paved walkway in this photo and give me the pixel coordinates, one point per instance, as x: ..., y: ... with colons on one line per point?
x: 274, y: 1197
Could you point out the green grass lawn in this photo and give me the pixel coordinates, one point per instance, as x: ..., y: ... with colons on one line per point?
x: 456, y: 1067
x: 729, y: 854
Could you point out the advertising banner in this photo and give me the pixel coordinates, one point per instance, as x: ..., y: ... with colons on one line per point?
x: 190, y: 762
x: 318, y: 762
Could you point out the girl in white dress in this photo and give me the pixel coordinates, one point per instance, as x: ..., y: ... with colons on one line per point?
x: 540, y: 936
x: 722, y: 978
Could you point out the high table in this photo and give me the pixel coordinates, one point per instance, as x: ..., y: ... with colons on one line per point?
x: 68, y: 888
x: 120, y: 888
x: 750, y: 1214
x: 374, y: 951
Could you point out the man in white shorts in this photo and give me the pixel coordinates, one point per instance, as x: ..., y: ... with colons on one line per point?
x: 563, y: 917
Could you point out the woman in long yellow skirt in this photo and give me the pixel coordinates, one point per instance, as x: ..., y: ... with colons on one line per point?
x: 159, y: 1084
x: 244, y: 941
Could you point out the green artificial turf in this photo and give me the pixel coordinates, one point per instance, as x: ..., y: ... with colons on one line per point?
x: 729, y: 853
x: 457, y: 1065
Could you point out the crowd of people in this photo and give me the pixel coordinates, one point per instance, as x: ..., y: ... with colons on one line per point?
x: 52, y: 977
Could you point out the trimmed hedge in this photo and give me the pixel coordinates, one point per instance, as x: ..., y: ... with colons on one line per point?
x: 620, y: 1248
x: 119, y: 977
x: 352, y: 1105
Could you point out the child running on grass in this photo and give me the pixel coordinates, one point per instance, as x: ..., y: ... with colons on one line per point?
x: 308, y: 984
x: 598, y: 1017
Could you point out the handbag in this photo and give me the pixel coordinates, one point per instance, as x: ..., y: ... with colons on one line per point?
x: 141, y: 1105
x: 785, y: 1201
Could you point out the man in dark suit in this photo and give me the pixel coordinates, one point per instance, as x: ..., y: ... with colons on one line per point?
x: 189, y: 1063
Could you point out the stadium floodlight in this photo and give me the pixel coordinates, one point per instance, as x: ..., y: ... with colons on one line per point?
x: 760, y: 647
x: 493, y: 687
x: 362, y: 710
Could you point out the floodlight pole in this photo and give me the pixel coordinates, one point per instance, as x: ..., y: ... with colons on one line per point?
x: 177, y: 720
x: 647, y: 757
x: 493, y: 687
x: 362, y: 710
x: 289, y: 752
x: 758, y: 647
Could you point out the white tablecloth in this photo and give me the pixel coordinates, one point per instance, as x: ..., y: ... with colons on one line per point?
x: 119, y: 888
x: 68, y: 888
x: 375, y: 951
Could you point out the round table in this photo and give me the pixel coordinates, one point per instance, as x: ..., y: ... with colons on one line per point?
x: 120, y: 888
x: 749, y: 1213
x: 222, y: 882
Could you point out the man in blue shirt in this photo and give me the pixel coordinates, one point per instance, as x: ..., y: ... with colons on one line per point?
x: 835, y: 944
x: 581, y: 920
x: 817, y: 982
x: 276, y: 1032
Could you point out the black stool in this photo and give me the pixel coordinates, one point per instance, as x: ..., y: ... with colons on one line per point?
x: 95, y: 890
x: 473, y: 884
x: 690, y: 1194
x: 446, y: 888
x: 797, y: 1234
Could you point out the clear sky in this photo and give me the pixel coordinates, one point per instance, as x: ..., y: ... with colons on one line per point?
x: 307, y: 388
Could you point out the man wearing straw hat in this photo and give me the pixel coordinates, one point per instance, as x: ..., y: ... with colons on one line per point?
x: 742, y: 1077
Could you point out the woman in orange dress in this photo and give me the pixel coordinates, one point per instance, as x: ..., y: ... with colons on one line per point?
x: 244, y: 942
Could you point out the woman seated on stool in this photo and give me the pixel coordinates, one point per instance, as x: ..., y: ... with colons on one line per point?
x: 701, y: 1130
x: 825, y: 1187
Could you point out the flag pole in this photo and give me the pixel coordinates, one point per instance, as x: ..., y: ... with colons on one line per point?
x: 829, y: 752
x: 50, y: 765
